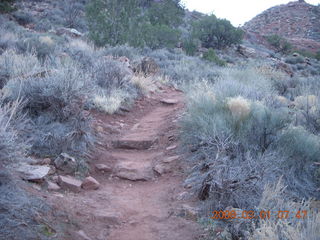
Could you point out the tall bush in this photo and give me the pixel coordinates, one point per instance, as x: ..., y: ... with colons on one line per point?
x: 216, y: 33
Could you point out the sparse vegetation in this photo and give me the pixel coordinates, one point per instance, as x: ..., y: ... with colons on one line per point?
x: 250, y: 131
x: 212, y: 57
x: 216, y: 33
x: 279, y: 43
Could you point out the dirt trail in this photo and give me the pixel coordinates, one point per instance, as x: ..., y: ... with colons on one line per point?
x: 137, y: 199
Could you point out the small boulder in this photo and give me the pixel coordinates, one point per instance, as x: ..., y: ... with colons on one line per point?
x: 169, y: 101
x: 90, y: 183
x: 53, y: 186
x: 171, y: 147
x: 69, y: 183
x: 66, y: 163
x: 171, y: 159
x: 109, y: 218
x: 134, y: 170
x: 81, y: 235
x: 33, y: 173
x: 161, y: 169
x: 103, y: 168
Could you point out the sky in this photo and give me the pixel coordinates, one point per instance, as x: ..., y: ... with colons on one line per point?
x: 236, y: 11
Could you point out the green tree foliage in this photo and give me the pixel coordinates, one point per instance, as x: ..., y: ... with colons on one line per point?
x: 110, y: 21
x: 212, y: 57
x: 279, y: 43
x: 6, y: 6
x: 318, y: 55
x: 216, y: 33
x: 136, y: 22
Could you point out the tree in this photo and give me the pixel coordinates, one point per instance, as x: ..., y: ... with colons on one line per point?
x: 216, y: 33
x: 111, y: 21
x: 279, y: 43
x: 6, y: 6
x: 135, y: 22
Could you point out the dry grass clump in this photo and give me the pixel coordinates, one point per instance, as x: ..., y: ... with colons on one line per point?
x: 274, y: 198
x: 110, y: 103
x: 239, y: 107
x: 306, y: 102
x: 144, y: 84
x: 46, y: 40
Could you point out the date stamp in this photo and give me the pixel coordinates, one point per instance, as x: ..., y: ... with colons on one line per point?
x: 263, y: 214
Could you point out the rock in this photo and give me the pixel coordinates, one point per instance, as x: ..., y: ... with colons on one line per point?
x: 69, y: 31
x: 171, y: 147
x: 282, y: 66
x: 295, y: 54
x: 53, y: 170
x: 90, y: 183
x: 246, y: 51
x: 69, y: 183
x: 55, y: 179
x: 33, y: 173
x: 134, y: 170
x: 103, y: 168
x: 161, y: 169
x: 111, y: 129
x: 182, y: 196
x: 80, y: 235
x: 66, y: 163
x: 53, y: 186
x: 138, y: 144
x: 46, y: 161
x: 189, y: 212
x: 108, y: 218
x: 171, y: 159
x: 169, y: 101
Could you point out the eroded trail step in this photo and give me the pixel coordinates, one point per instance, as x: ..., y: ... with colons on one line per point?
x: 140, y: 178
x: 145, y: 133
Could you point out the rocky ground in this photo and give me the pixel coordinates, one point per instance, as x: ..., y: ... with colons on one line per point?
x: 298, y: 21
x: 135, y: 187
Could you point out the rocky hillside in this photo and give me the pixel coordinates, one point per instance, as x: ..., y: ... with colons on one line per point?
x: 298, y: 21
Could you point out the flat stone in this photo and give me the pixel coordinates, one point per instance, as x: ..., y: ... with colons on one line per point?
x: 171, y: 147
x: 171, y: 159
x: 90, y: 183
x: 69, y: 183
x: 134, y: 144
x: 161, y: 169
x: 103, y: 168
x: 81, y: 235
x: 108, y: 218
x: 134, y: 170
x: 169, y: 101
x: 46, y: 161
x: 33, y: 173
x: 53, y: 186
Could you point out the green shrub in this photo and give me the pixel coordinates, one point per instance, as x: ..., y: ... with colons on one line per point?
x: 294, y: 60
x: 6, y: 6
x: 299, y: 144
x: 318, y: 55
x: 54, y: 104
x: 126, y: 22
x: 279, y: 43
x: 216, y: 33
x: 190, y: 46
x: 160, y: 36
x: 212, y: 57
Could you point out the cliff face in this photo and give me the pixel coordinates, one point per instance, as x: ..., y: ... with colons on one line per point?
x: 298, y: 21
